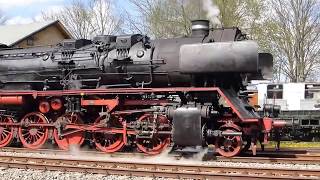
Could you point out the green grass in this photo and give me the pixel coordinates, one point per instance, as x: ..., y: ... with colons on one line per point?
x: 294, y: 144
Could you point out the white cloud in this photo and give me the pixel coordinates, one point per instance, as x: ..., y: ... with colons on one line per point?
x: 38, y: 18
x: 19, y: 20
x: 6, y: 4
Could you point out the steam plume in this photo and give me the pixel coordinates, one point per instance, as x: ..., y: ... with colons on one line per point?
x: 212, y: 11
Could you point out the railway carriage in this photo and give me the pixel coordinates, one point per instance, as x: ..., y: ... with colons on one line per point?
x: 296, y: 103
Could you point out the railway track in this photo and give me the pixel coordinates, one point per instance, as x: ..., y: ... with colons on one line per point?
x: 154, y: 170
x: 288, y: 157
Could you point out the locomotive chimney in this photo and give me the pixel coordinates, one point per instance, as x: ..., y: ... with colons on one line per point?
x: 200, y: 28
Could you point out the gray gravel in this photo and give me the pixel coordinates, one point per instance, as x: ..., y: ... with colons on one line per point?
x: 28, y: 174
x: 162, y: 158
x: 165, y: 159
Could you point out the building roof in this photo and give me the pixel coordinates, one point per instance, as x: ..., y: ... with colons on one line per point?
x: 13, y: 34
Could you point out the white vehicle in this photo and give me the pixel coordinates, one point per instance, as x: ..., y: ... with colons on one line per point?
x: 299, y: 104
x: 289, y: 96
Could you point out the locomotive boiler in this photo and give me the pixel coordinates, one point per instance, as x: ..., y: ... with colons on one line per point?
x: 128, y: 90
x: 134, y: 61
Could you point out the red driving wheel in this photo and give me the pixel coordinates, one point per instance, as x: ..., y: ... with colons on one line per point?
x: 108, y: 142
x: 229, y: 146
x: 33, y: 137
x: 74, y: 139
x: 6, y: 132
x: 158, y: 142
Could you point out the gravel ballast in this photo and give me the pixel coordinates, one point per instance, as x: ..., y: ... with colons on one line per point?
x: 165, y: 159
x: 29, y: 174
x: 13, y: 173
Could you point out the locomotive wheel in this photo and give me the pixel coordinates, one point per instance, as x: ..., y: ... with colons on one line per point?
x: 106, y: 142
x: 157, y: 143
x: 33, y: 137
x: 6, y: 136
x: 229, y: 146
x: 74, y: 139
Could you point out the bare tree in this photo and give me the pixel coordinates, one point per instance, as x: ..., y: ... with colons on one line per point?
x: 240, y: 13
x: 165, y: 18
x: 103, y: 20
x: 248, y: 15
x: 294, y: 32
x: 84, y: 19
x: 75, y: 17
x: 168, y: 18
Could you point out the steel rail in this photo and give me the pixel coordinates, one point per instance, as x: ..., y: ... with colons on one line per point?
x: 154, y: 170
x: 275, y: 157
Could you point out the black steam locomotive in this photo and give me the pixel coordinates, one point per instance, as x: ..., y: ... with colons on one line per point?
x: 128, y: 90
x: 204, y: 59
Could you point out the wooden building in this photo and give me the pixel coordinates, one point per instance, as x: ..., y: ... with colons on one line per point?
x: 34, y: 34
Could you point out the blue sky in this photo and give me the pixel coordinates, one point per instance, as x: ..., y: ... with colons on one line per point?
x: 26, y: 11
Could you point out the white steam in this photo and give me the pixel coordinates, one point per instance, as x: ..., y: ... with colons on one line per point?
x: 212, y: 11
